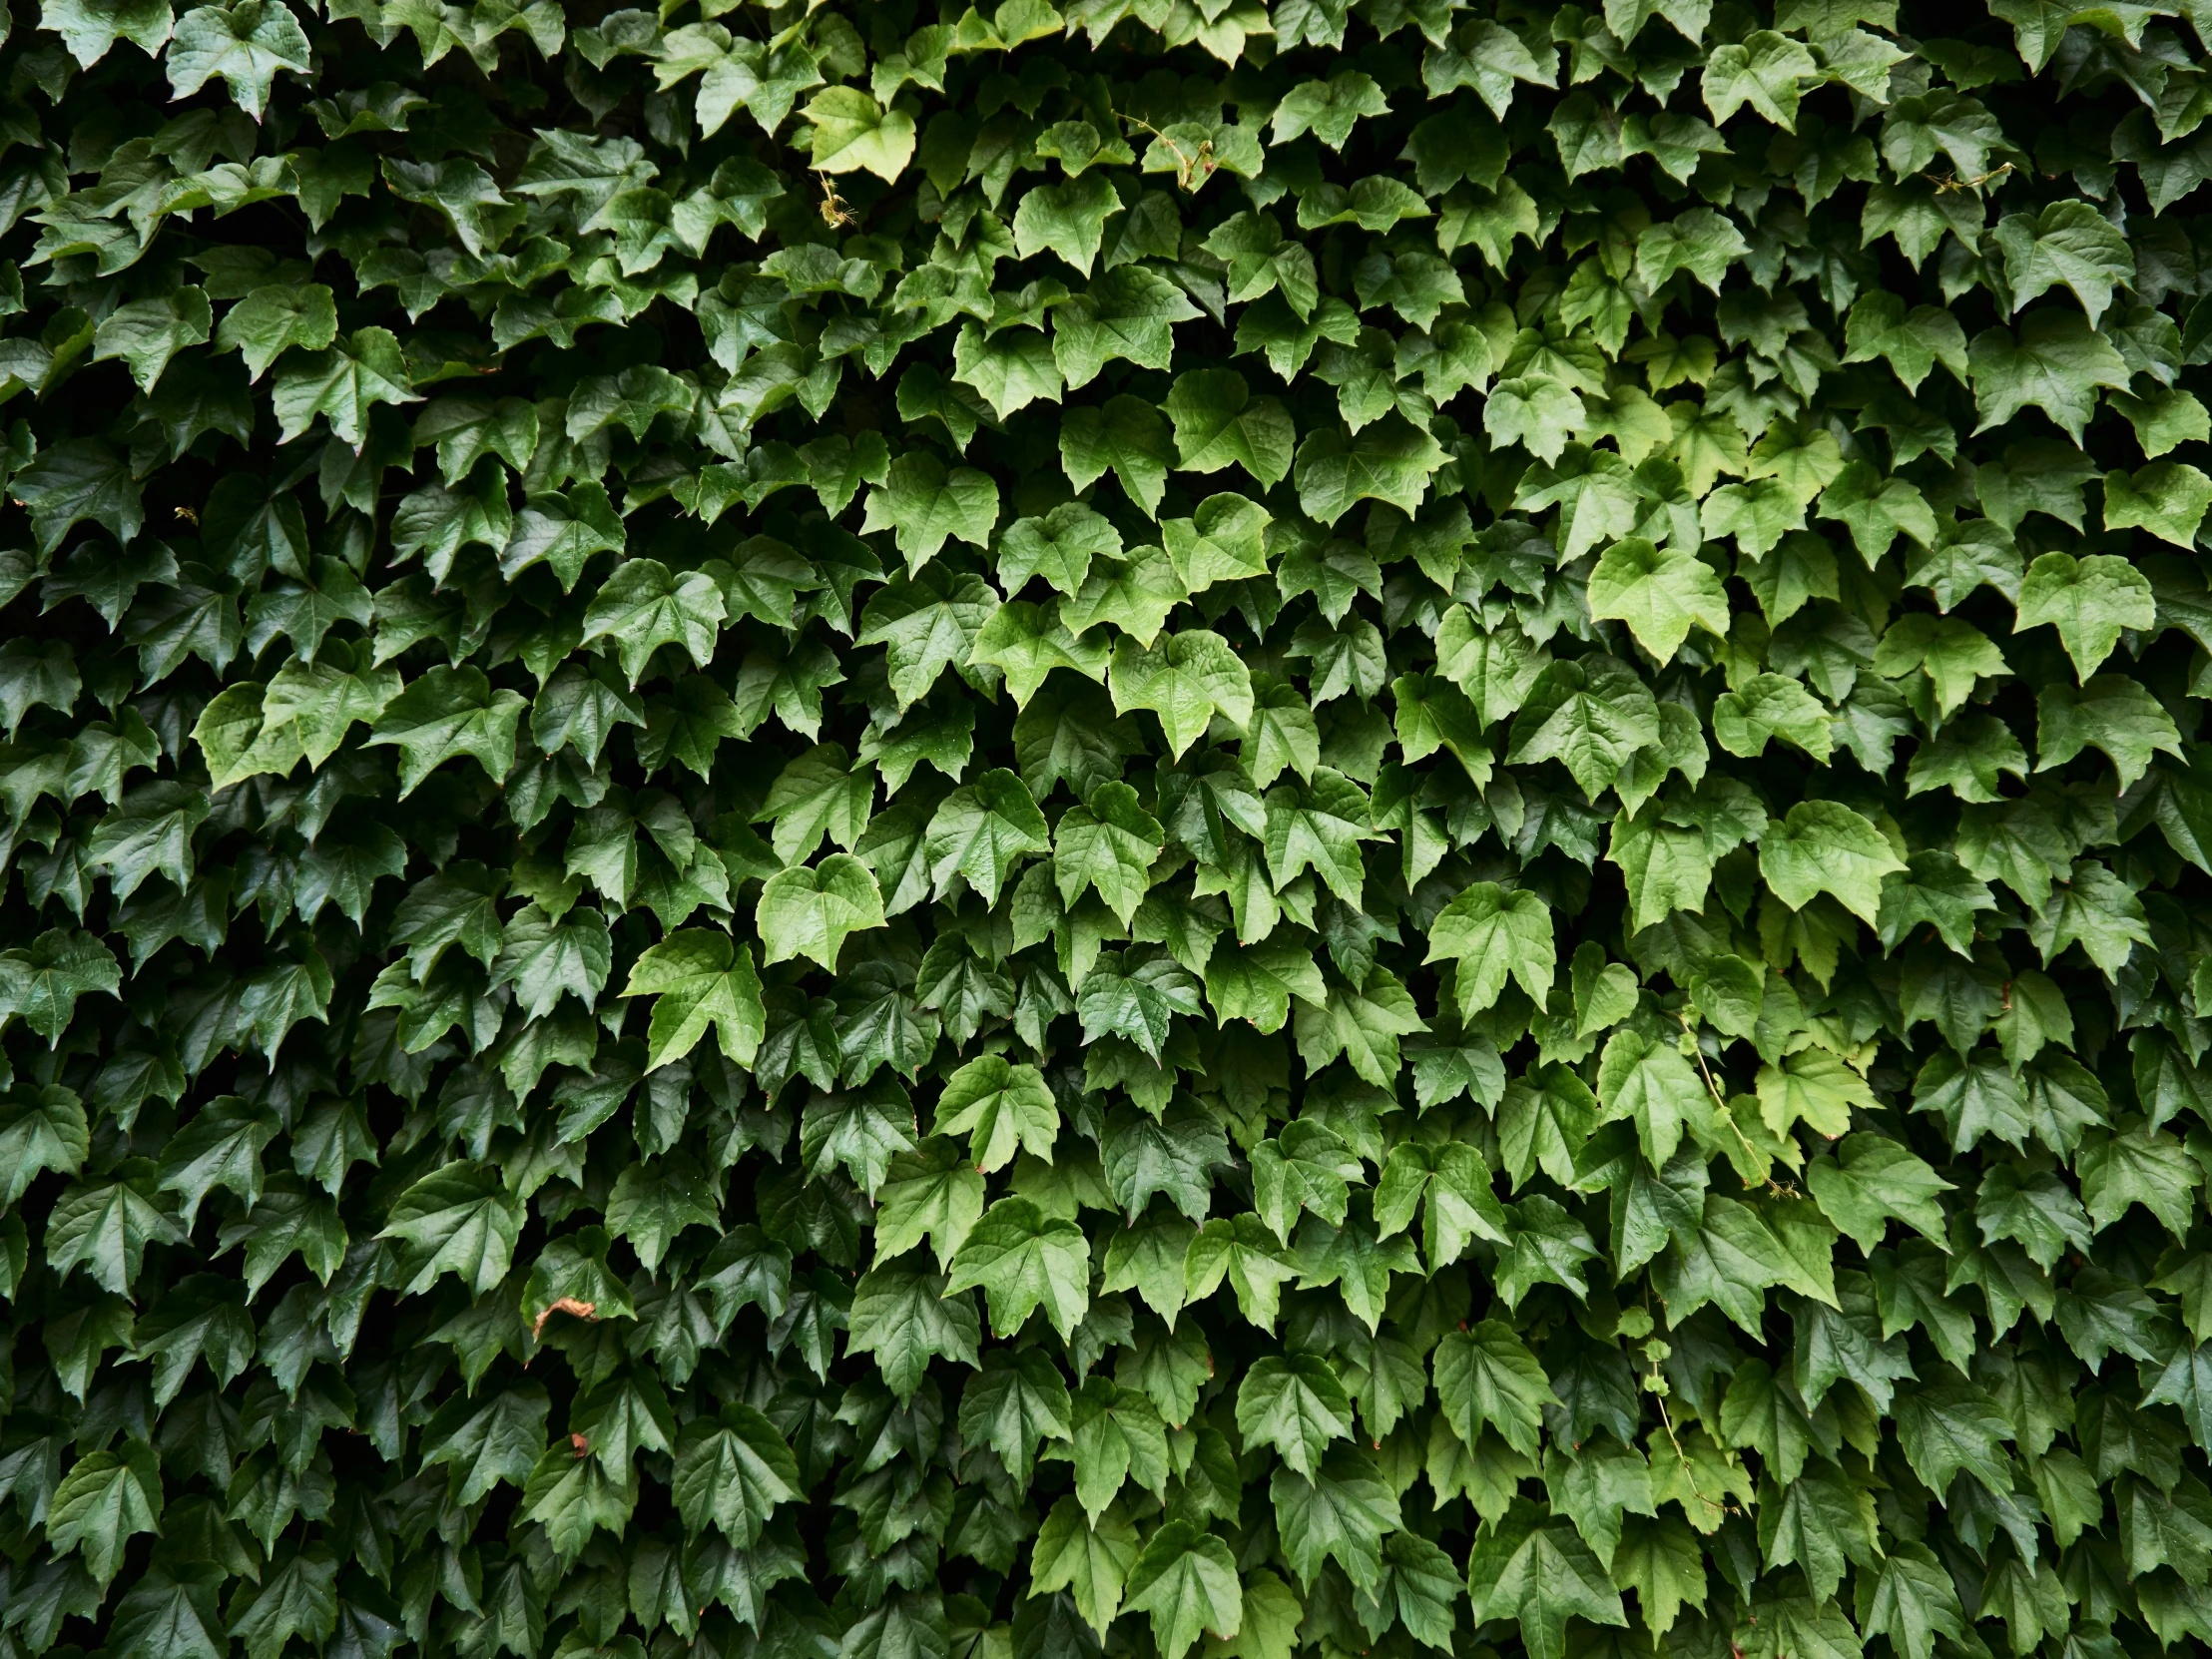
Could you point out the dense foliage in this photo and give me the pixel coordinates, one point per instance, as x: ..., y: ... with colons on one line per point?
x: 842, y: 832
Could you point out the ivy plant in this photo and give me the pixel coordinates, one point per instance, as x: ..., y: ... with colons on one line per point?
x: 1105, y: 828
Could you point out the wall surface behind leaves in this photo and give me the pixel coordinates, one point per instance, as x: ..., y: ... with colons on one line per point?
x: 872, y: 832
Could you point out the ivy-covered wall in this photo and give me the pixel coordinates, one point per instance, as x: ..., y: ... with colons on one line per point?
x: 1172, y: 828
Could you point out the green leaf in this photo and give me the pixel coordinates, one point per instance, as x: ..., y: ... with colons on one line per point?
x: 1295, y: 1404
x: 1091, y: 1560
x: 1108, y: 845
x: 1486, y: 1376
x: 1027, y: 643
x: 1256, y: 982
x: 1912, y: 342
x: 906, y: 1319
x: 1118, y: 1434
x: 1812, y: 1087
x: 1871, y: 1180
x: 1126, y: 437
x: 246, y: 44
x: 1493, y: 935
x: 1590, y: 715
x: 1660, y: 595
x: 2165, y: 419
x: 1769, y: 706
x: 1186, y: 1580
x: 1219, y: 423
x: 1539, y: 1571
x: 861, y: 1130
x: 489, y: 1441
x: 731, y: 1472
x: 1820, y: 1521
x: 90, y: 32
x: 1534, y: 412
x: 1024, y: 1259
x: 2109, y: 712
x: 1135, y: 999
x: 926, y: 624
x: 1185, y: 680
x: 1241, y: 1252
x: 1129, y: 313
x: 644, y: 606
x: 853, y: 132
x: 1650, y: 1084
x: 1015, y: 1403
x: 1390, y: 462
x: 1009, y: 370
x: 1362, y: 1024
x: 928, y: 1192
x: 1224, y: 541
x: 2055, y: 365
x: 104, y: 1229
x: 79, y: 479
x: 43, y: 1127
x: 1000, y: 1107
x: 106, y: 1499
x: 926, y: 506
x: 171, y: 1617
x: 43, y: 984
x: 1825, y: 846
x: 979, y: 833
x: 445, y: 714
x: 1307, y: 1167
x: 340, y: 385
x: 2167, y: 498
x: 2137, y: 1166
x: 1135, y: 592
x: 1912, y: 1601
x: 1059, y: 547
x: 1342, y: 1514
x: 1069, y: 220
x: 147, y: 333
x: 2095, y: 909
x: 1327, y: 108
x: 1455, y: 1182
x: 2090, y: 600
x: 270, y: 321
x: 2070, y: 242
x: 1951, y: 1426
x: 810, y: 912
x: 1759, y: 514
x: 699, y: 979
x: 457, y: 1220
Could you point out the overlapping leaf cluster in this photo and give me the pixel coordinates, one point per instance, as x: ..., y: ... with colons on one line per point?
x: 863, y: 832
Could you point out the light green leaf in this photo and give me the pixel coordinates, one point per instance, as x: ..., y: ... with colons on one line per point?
x: 246, y: 44
x: 2090, y: 600
x: 853, y: 132
x: 811, y: 912
x: 1219, y: 423
x: 1186, y: 1580
x: 2167, y: 498
x: 1660, y: 595
x: 699, y: 979
x: 1825, y: 846
x: 1001, y: 1108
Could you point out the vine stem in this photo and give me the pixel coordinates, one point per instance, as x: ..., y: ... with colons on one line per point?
x: 1689, y: 1470
x: 1953, y: 183
x: 1184, y: 165
x: 1720, y: 1102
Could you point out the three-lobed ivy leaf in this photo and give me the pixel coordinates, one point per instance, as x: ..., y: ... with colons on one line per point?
x: 699, y: 979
